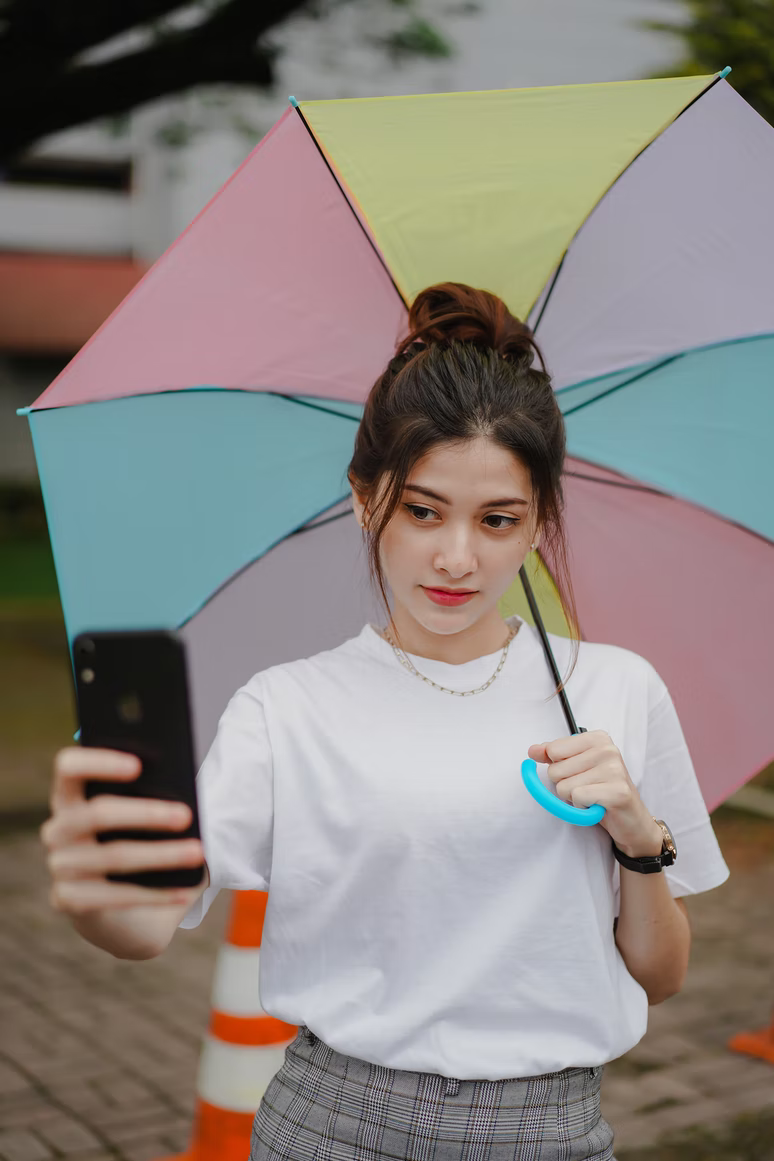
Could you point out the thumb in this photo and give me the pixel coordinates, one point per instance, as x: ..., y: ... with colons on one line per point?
x: 538, y: 753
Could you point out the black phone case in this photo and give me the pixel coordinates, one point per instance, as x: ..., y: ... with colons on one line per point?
x: 132, y: 694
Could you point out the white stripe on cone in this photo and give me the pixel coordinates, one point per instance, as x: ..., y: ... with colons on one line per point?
x: 235, y: 984
x: 235, y: 1076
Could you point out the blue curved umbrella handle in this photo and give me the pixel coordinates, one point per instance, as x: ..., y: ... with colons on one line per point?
x: 579, y: 815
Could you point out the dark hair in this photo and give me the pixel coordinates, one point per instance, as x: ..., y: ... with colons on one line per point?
x: 464, y: 370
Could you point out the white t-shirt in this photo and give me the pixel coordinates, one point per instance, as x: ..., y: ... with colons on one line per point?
x: 424, y: 911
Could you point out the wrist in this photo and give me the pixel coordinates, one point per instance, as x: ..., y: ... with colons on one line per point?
x: 650, y: 841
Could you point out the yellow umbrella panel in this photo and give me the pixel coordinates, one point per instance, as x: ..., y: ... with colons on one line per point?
x: 488, y: 188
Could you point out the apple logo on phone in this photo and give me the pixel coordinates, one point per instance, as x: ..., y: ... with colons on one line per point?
x: 130, y: 708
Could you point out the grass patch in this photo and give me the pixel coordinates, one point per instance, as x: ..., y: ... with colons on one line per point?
x: 37, y: 709
x: 27, y: 570
x: 749, y: 1137
x: 656, y: 1106
x: 26, y: 564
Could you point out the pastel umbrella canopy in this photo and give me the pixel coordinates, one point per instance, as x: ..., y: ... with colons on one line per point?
x: 193, y: 454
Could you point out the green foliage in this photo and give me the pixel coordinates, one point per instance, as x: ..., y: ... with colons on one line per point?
x: 739, y: 33
x: 417, y: 38
x: 26, y: 563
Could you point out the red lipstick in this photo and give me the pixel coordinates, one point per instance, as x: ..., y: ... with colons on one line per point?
x: 445, y: 597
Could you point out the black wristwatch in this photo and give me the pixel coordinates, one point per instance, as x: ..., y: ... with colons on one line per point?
x: 650, y: 864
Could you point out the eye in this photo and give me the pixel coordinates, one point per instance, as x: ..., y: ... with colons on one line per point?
x: 416, y: 511
x: 414, y: 508
x: 510, y: 521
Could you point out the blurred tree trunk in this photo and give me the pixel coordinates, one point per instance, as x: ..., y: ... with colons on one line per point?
x: 47, y: 82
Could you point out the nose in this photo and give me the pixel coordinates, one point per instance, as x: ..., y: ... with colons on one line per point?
x: 455, y: 553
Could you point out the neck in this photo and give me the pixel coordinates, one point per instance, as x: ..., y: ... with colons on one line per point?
x: 486, y: 636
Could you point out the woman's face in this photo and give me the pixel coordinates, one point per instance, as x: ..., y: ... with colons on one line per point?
x: 472, y: 533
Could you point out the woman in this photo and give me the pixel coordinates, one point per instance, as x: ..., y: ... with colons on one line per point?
x: 461, y: 963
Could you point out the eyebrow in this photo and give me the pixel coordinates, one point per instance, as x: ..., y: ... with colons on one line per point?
x: 443, y: 500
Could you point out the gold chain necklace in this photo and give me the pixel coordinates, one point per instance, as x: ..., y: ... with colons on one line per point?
x: 454, y: 692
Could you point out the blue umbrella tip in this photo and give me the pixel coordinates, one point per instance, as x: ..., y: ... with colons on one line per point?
x: 724, y: 72
x: 23, y: 410
x: 293, y: 102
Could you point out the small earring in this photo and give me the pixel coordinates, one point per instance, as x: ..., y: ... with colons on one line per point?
x: 532, y: 545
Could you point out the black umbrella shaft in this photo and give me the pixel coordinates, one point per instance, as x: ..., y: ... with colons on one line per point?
x: 573, y: 728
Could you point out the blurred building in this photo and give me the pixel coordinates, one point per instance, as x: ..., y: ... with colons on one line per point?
x: 84, y: 213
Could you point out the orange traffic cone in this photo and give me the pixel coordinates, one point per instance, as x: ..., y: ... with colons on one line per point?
x: 244, y: 1047
x: 759, y: 1043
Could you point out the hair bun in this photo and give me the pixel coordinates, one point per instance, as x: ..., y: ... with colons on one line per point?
x: 452, y: 311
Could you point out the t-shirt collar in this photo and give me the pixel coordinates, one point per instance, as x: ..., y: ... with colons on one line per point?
x: 454, y: 674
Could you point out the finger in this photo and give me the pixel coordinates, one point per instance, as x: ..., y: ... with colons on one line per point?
x: 560, y: 748
x: 75, y: 764
x: 590, y: 794
x: 79, y: 896
x: 578, y: 792
x: 89, y: 860
x: 588, y: 789
x: 569, y: 767
x: 112, y: 812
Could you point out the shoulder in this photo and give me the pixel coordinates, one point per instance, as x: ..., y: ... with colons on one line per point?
x: 600, y: 664
x: 307, y: 671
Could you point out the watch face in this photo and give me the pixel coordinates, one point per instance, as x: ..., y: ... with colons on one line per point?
x: 669, y: 838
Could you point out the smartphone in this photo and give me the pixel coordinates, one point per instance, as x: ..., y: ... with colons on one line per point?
x: 133, y: 695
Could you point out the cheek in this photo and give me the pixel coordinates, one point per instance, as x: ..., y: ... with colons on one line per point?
x: 503, y: 567
x: 395, y: 550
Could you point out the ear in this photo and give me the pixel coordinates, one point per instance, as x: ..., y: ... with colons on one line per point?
x: 536, y: 538
x: 358, y: 507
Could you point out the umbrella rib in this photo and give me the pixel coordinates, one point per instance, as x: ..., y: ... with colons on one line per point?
x: 557, y: 272
x: 306, y: 527
x: 619, y: 386
x: 677, y: 499
x: 615, y: 180
x: 340, y: 187
x: 320, y: 523
x: 619, y: 484
x: 314, y: 406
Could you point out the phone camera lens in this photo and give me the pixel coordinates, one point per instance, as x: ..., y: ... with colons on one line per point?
x: 86, y: 647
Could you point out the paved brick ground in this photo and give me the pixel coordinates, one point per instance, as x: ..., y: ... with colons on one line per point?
x: 98, y: 1056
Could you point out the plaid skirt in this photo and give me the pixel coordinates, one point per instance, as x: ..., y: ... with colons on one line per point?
x: 324, y: 1106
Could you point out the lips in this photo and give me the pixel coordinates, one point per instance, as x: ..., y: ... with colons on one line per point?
x: 450, y: 592
x: 449, y: 597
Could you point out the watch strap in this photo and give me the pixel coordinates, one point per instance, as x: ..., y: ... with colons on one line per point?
x: 648, y: 864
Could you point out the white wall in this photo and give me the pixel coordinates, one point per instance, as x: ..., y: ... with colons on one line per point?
x: 64, y: 221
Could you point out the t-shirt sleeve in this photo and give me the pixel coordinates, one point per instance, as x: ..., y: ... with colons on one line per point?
x: 670, y: 790
x: 235, y: 796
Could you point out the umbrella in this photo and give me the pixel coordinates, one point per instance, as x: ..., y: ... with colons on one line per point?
x: 192, y: 456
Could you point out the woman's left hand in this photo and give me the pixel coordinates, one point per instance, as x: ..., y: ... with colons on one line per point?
x: 587, y: 769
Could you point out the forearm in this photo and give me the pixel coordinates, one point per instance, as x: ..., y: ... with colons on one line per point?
x: 134, y: 933
x: 652, y: 934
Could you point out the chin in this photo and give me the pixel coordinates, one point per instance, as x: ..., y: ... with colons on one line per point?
x: 443, y: 620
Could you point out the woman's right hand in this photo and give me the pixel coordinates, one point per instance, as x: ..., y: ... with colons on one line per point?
x: 78, y: 863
